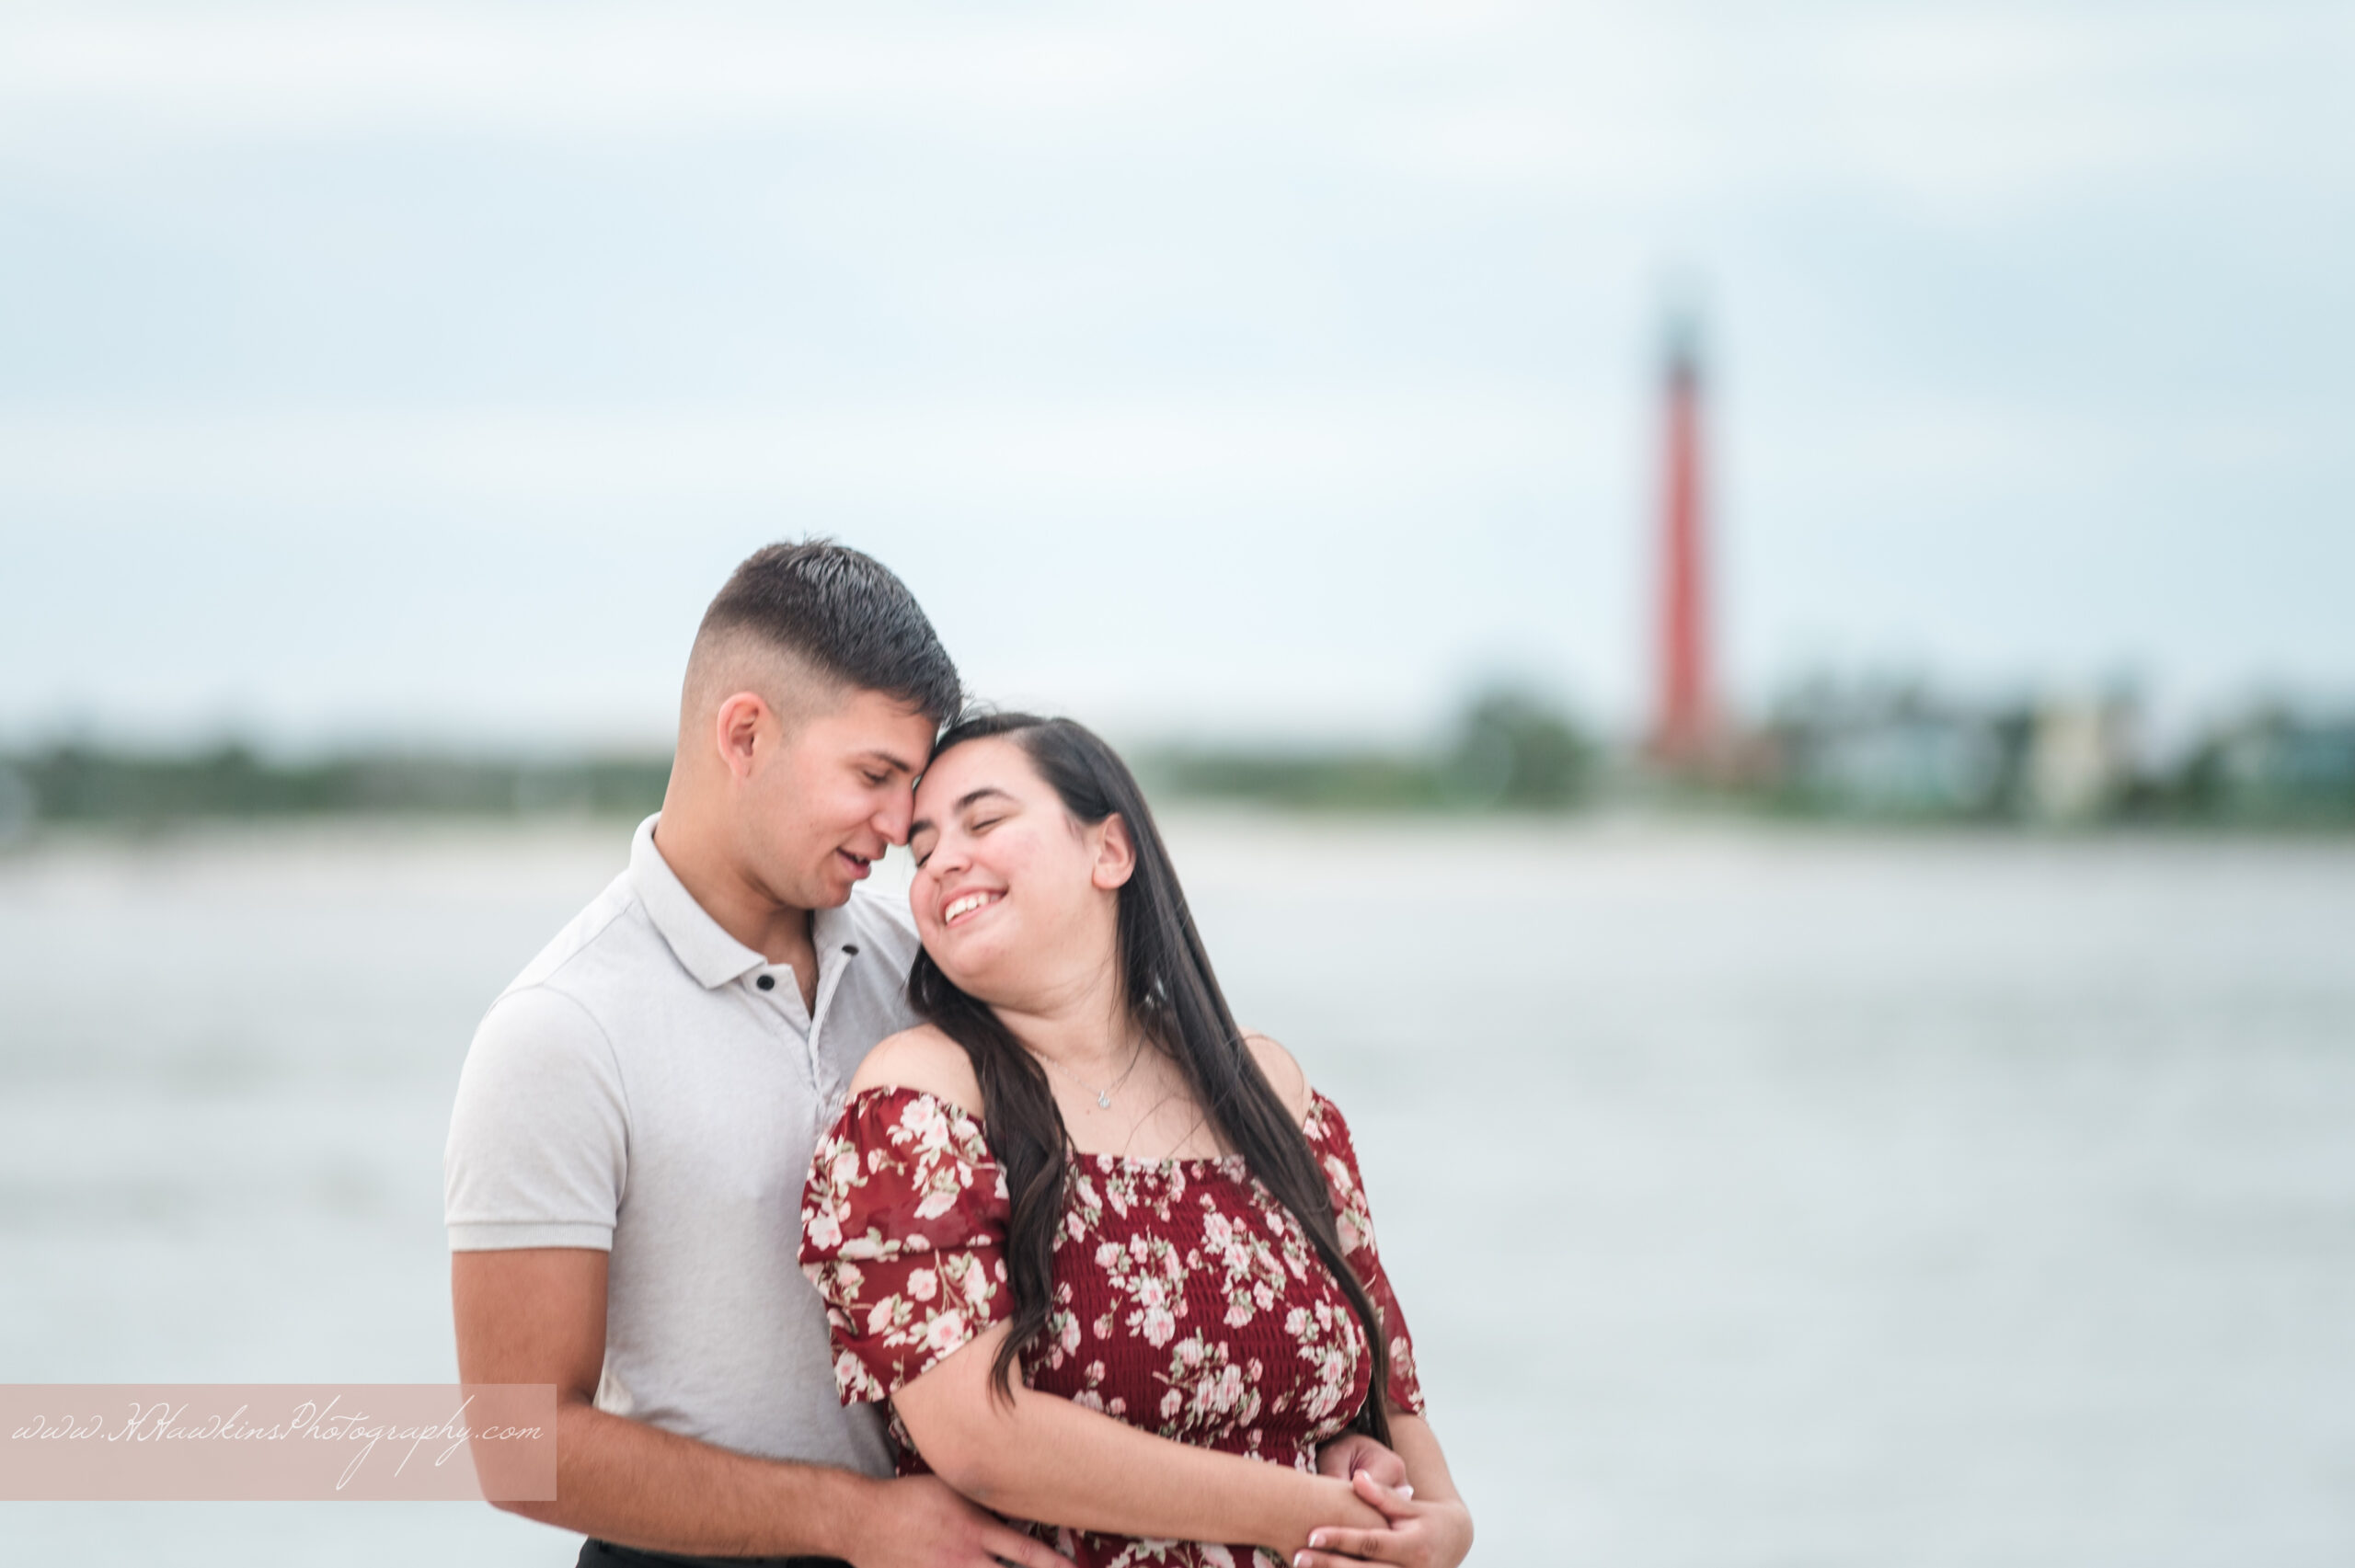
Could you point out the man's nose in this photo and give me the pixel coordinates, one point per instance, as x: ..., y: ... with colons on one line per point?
x: 894, y: 819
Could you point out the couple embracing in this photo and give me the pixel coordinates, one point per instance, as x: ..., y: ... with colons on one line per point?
x: 927, y: 1234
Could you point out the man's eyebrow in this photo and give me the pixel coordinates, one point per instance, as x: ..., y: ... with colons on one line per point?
x: 889, y: 759
x: 923, y: 824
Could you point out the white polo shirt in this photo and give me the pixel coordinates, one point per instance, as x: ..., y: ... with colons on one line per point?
x: 650, y: 1087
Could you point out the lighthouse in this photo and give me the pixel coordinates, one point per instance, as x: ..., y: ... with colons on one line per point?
x: 1683, y: 734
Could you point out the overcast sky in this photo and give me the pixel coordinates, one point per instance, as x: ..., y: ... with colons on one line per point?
x: 418, y: 373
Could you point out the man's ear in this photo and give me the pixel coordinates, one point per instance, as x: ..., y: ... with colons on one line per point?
x: 1116, y: 854
x: 737, y: 730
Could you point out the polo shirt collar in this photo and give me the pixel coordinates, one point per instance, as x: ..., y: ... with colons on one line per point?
x: 706, y: 952
x: 833, y: 931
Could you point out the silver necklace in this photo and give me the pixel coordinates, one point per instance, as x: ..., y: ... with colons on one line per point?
x: 1103, y: 1096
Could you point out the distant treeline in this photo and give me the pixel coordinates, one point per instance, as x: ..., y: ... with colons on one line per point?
x: 81, y: 783
x: 1858, y: 753
x: 1508, y: 751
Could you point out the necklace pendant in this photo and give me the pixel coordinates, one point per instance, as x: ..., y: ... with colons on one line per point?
x: 1104, y: 1098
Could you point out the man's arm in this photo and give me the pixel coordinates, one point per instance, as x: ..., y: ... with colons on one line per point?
x: 537, y: 1315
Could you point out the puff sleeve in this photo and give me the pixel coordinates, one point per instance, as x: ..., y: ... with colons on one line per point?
x: 903, y: 1234
x: 1329, y: 1138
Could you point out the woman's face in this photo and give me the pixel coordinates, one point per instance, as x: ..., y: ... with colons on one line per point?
x: 1014, y: 898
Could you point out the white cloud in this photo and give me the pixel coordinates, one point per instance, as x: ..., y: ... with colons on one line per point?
x: 246, y: 70
x: 1337, y: 444
x: 1947, y: 103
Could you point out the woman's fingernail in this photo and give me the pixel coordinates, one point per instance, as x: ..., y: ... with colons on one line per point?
x: 1300, y: 1560
x: 1407, y: 1489
x: 1318, y: 1539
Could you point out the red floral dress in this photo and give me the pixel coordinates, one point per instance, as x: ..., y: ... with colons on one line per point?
x: 1187, y: 1300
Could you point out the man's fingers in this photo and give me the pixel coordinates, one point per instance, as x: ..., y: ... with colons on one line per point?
x: 1024, y: 1551
x: 1353, y: 1452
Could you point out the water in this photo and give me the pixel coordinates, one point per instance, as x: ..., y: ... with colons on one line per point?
x: 1757, y: 1197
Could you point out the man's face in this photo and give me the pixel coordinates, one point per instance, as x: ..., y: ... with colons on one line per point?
x: 832, y: 797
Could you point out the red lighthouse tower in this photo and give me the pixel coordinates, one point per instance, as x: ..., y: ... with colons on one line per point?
x: 1684, y: 736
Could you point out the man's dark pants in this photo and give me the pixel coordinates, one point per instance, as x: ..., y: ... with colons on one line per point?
x: 605, y: 1554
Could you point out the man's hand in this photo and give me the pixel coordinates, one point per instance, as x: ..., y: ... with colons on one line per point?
x: 1353, y: 1453
x: 917, y: 1522
x: 1422, y: 1535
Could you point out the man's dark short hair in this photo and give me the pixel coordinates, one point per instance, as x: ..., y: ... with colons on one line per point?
x: 847, y: 614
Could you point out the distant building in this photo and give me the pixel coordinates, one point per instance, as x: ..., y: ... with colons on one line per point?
x: 2275, y: 766
x: 2080, y: 762
x: 1894, y: 751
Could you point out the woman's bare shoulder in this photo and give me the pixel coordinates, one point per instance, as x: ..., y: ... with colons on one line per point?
x: 1284, y: 1074
x: 924, y: 1059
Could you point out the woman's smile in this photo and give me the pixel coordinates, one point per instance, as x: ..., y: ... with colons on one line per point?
x: 966, y: 905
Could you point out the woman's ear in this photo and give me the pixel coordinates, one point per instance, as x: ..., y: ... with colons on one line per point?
x: 1116, y: 854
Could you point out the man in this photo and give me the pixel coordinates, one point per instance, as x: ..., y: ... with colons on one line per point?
x: 637, y: 1110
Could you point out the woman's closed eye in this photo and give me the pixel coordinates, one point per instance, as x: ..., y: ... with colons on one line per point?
x: 977, y: 826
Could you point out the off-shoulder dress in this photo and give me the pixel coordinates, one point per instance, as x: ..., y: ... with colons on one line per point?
x: 1187, y: 1300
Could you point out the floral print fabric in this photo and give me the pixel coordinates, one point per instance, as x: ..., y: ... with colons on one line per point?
x: 1186, y: 1300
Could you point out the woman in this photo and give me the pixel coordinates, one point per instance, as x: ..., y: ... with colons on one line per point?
x: 1081, y: 1171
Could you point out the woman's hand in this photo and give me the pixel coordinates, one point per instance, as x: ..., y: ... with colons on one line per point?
x: 1422, y: 1535
x: 1330, y: 1506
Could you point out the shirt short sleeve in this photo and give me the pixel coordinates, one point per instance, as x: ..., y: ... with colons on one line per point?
x: 1328, y: 1138
x: 903, y: 1234
x: 539, y: 1141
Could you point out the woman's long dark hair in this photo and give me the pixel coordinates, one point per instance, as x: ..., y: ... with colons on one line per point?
x: 1174, y: 1000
